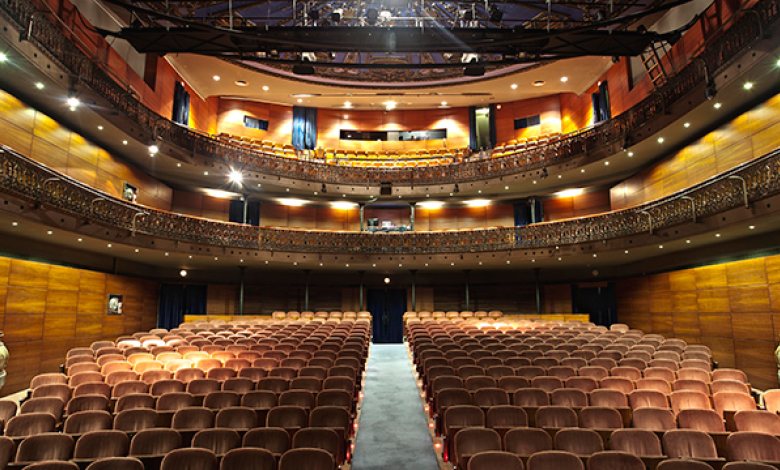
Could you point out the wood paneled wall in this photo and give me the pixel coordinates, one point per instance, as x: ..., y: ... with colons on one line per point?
x: 47, y: 309
x: 230, y: 120
x: 43, y: 139
x: 200, y: 205
x: 749, y: 136
x: 734, y: 308
x: 547, y: 107
x: 591, y: 202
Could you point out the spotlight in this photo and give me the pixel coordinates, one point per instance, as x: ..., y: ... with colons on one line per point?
x: 40, y: 85
x: 236, y: 177
x: 153, y: 149
x: 372, y: 15
x: 3, y: 57
x: 73, y: 103
x: 747, y: 86
x: 387, y: 280
x: 183, y: 273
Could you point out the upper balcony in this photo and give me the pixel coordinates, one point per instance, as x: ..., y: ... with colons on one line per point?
x: 744, y: 45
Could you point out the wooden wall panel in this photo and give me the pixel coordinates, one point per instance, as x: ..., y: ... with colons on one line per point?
x: 47, y: 309
x: 734, y: 308
x: 591, y: 202
x: 749, y: 136
x: 43, y: 139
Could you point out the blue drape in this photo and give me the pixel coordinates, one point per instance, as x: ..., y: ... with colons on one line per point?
x: 304, y: 135
x: 387, y: 307
x: 176, y: 300
x: 473, y: 128
x: 236, y: 212
x: 492, y: 125
x: 606, y: 112
x: 181, y: 104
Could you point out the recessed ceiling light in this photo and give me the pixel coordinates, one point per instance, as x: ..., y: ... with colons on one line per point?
x: 747, y: 86
x: 582, y: 170
x: 560, y: 176
x: 241, y: 83
x: 606, y: 163
x: 295, y: 263
x: 79, y: 240
x: 390, y: 105
x: 190, y: 257
x: 73, y: 103
x: 506, y: 188
x: 777, y: 64
x: 347, y: 105
x: 560, y: 259
x: 539, y: 83
x: 625, y: 251
x: 452, y: 264
x: 3, y: 57
x: 205, y: 173
x: 216, y: 258
x: 595, y: 255
x: 346, y: 265
x: 400, y: 265
x: 630, y: 154
x: 183, y: 273
x: 373, y: 265
x: 660, y: 246
x: 14, y: 224
x: 100, y: 128
x: 109, y: 245
x: 717, y: 235
x: 153, y: 149
x: 49, y: 232
x: 167, y: 254
x: 443, y: 104
x: 533, y: 261
x: 136, y: 250
x: 751, y: 227
x: 266, y: 261
x: 564, y: 79
x: 40, y: 85
x: 508, y: 262
x: 216, y: 78
x: 299, y: 100
x: 686, y: 125
x: 178, y: 164
x: 534, y: 181
x: 661, y: 140
x: 124, y: 142
x: 688, y: 242
x: 513, y: 86
x: 320, y: 262
x: 265, y: 88
x: 426, y: 265
x: 717, y: 105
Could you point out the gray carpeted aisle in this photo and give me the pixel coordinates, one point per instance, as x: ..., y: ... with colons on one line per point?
x: 393, y: 432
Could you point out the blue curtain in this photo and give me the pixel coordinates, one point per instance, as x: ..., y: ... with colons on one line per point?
x: 473, y: 128
x: 492, y: 125
x: 387, y: 307
x: 304, y: 135
x: 606, y: 112
x: 181, y: 104
x: 601, y: 106
x: 176, y: 300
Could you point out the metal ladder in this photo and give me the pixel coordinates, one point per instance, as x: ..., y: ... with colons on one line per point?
x: 652, y: 58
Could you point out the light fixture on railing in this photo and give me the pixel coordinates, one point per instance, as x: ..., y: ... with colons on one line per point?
x: 235, y: 177
x: 153, y: 149
x: 73, y: 103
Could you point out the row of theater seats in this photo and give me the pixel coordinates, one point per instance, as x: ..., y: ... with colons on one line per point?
x: 586, y: 380
x: 453, y: 315
x: 515, y: 146
x: 356, y: 158
x: 334, y: 315
x: 204, y: 391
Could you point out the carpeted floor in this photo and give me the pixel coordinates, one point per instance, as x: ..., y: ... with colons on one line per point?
x: 393, y: 433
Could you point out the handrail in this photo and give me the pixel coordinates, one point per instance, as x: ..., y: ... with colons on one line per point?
x: 610, y: 134
x: 30, y: 180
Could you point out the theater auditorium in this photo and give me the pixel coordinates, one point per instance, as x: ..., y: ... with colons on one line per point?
x: 389, y: 234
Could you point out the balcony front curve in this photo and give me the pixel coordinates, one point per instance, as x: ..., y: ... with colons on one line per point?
x: 42, y: 188
x: 683, y: 90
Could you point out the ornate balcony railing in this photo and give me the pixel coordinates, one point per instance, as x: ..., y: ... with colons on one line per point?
x: 45, y: 32
x: 29, y: 180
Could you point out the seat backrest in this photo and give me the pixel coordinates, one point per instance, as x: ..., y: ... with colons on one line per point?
x: 597, y: 417
x: 117, y: 463
x: 494, y: 459
x: 311, y: 459
x: 641, y: 442
x: 582, y: 442
x: 101, y: 444
x: 554, y: 460
x: 758, y: 421
x: 189, y: 459
x: 248, y: 459
x: 527, y: 441
x: 46, y: 446
x: 556, y: 417
x: 612, y: 460
x: 217, y: 440
x: 701, y: 420
x: 654, y: 419
x: 756, y: 446
x: 686, y: 443
x: 276, y: 440
x: 470, y: 441
x: 154, y: 441
x: 683, y: 464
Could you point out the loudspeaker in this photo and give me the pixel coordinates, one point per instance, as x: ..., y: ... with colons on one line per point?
x: 386, y: 189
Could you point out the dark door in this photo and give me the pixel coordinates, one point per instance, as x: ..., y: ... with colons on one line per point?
x: 599, y: 302
x: 387, y: 307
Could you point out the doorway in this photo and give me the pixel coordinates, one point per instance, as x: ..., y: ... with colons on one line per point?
x: 483, y: 128
x: 387, y: 307
x: 598, y: 301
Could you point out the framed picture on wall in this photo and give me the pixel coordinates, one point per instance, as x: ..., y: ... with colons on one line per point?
x: 114, y: 304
